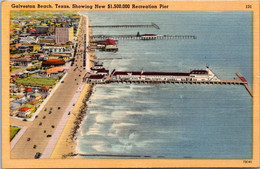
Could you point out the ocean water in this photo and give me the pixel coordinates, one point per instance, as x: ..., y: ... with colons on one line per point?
x: 166, y: 120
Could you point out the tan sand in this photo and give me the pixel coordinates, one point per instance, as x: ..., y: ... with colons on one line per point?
x: 65, y: 144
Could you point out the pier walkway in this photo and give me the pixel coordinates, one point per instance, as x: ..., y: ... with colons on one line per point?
x: 153, y: 25
x: 221, y: 82
x: 102, y: 37
x: 238, y: 81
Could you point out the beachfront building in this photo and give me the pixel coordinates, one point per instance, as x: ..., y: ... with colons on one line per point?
x: 52, y: 72
x: 63, y: 35
x: 44, y: 91
x: 60, y: 49
x: 107, y: 45
x: 14, y: 107
x: 148, y: 37
x: 29, y: 91
x: 24, y: 112
x: 96, y: 78
x: 35, y: 96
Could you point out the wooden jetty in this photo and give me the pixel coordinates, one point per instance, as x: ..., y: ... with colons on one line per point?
x: 101, y: 37
x: 153, y: 25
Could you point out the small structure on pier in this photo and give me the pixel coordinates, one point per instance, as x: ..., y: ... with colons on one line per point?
x: 107, y: 45
x: 98, y: 69
x: 148, y: 37
x: 102, y: 71
x: 96, y: 78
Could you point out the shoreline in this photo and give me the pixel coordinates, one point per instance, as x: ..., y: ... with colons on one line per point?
x: 66, y: 145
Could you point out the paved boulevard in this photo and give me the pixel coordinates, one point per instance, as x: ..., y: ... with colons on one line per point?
x: 43, y: 125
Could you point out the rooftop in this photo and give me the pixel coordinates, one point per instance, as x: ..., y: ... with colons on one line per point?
x: 54, y: 70
x: 53, y: 62
x: 24, y: 109
x: 96, y: 76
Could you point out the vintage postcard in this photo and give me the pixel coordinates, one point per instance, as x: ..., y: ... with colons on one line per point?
x: 130, y: 84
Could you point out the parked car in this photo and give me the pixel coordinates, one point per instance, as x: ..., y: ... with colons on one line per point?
x: 44, y: 117
x: 28, y: 139
x: 48, y: 135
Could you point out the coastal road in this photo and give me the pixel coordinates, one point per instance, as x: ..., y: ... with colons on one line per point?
x: 38, y: 131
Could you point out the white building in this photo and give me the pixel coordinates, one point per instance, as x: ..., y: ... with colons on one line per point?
x: 67, y: 49
x: 28, y: 40
x: 24, y: 112
x: 194, y: 75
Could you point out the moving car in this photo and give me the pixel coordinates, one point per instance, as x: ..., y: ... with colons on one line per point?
x: 37, y: 155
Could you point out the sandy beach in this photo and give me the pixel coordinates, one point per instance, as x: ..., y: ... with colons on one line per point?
x: 66, y: 144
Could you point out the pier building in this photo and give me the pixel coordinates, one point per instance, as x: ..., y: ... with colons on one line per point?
x: 148, y: 37
x: 194, y: 75
x: 107, y: 45
x: 96, y: 78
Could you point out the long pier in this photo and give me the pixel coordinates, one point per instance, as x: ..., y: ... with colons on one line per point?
x: 102, y: 37
x: 153, y: 25
x: 238, y: 81
x: 221, y: 82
